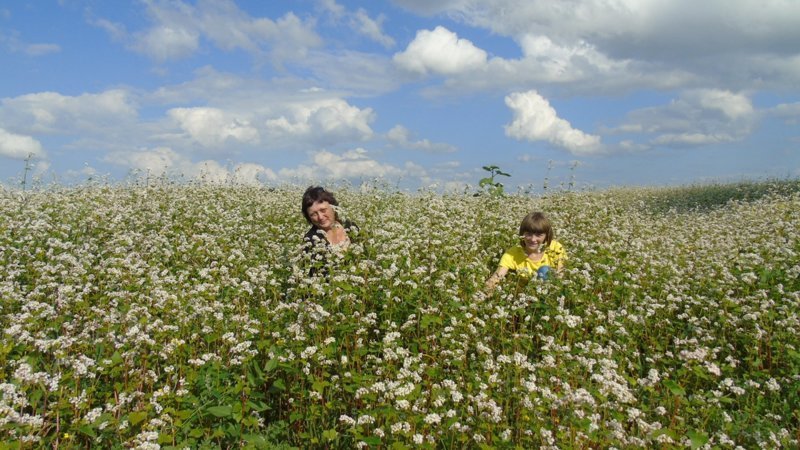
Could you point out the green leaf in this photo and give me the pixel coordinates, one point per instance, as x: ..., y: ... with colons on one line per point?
x: 137, y: 417
x: 278, y: 385
x: 272, y: 364
x: 429, y: 319
x: 330, y: 435
x: 257, y: 440
x: 675, y: 388
x: 87, y: 430
x: 666, y: 431
x: 698, y: 439
x: 320, y: 386
x: 220, y: 411
x: 372, y: 440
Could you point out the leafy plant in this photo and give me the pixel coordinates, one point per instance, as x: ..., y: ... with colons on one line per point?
x: 489, y: 184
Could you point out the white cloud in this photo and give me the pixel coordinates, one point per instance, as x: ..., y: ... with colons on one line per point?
x: 323, y: 166
x: 250, y: 173
x: 179, y: 29
x: 211, y: 127
x: 349, y: 165
x: 332, y: 7
x: 157, y: 162
x: 731, y: 105
x: 400, y: 136
x: 353, y: 71
x: 41, y: 49
x: 691, y: 139
x: 165, y: 161
x: 13, y: 43
x: 283, y: 110
x: 372, y: 28
x: 51, y: 112
x: 597, y: 45
x: 117, y: 31
x: 563, y: 62
x: 166, y: 42
x: 359, y: 21
x: 17, y: 146
x: 440, y: 52
x: 633, y: 28
x: 323, y: 121
x: 536, y: 120
x: 698, y: 117
x: 790, y: 112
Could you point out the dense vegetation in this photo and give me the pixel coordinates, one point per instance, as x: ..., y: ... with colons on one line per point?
x: 182, y: 316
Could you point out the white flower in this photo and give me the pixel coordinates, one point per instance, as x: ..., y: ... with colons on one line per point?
x: 433, y: 418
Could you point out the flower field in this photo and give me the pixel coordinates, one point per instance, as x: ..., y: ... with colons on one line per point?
x: 182, y: 316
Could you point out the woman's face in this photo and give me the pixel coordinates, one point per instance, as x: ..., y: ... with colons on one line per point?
x: 322, y: 215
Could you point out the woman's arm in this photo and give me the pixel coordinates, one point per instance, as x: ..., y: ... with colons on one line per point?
x: 496, y: 277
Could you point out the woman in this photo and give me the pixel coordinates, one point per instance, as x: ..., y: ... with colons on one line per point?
x: 537, y: 253
x: 327, y: 231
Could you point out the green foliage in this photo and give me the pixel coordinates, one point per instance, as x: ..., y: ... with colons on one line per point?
x: 182, y: 316
x: 489, y: 184
x: 710, y: 196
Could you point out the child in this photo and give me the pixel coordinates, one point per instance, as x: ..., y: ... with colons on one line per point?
x: 537, y: 253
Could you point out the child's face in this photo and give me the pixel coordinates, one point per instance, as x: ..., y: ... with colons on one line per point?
x: 534, y: 241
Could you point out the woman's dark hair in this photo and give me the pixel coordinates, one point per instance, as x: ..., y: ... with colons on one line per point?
x: 316, y: 194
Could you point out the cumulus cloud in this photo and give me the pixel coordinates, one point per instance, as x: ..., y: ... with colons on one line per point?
x: 323, y: 166
x: 212, y: 127
x: 698, y: 117
x: 163, y: 161
x: 440, y: 52
x: 51, y: 112
x: 351, y: 164
x: 322, y: 121
x: 400, y: 136
x: 17, y: 146
x: 630, y: 44
x: 536, y: 120
x: 731, y: 105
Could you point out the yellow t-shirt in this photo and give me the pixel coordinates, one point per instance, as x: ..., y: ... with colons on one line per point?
x: 516, y: 259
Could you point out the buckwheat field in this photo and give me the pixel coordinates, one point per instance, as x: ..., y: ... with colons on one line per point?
x: 183, y: 316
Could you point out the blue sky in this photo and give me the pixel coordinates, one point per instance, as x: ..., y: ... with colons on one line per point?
x: 414, y: 92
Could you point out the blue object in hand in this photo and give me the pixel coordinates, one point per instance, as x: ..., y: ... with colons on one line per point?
x: 543, y: 272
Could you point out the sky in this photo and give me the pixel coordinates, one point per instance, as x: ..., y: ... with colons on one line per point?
x: 407, y: 93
